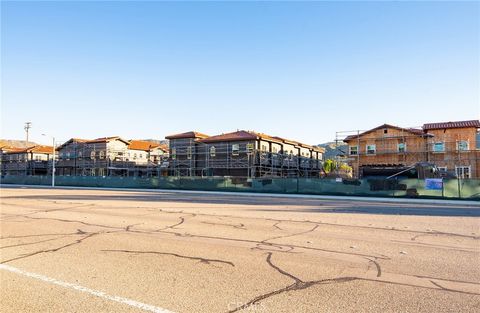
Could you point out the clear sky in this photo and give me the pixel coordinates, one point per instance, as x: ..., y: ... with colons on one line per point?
x: 297, y: 70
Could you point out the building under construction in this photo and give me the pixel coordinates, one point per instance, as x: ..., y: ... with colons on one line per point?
x: 111, y: 156
x: 32, y: 160
x: 386, y: 150
x: 242, y: 154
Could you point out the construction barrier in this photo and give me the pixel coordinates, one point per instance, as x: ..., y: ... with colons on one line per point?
x: 411, y: 188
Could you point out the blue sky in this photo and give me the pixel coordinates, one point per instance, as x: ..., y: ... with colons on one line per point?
x: 298, y: 70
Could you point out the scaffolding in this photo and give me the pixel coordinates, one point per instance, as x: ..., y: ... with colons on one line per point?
x: 190, y: 157
x: 407, y: 147
x: 86, y: 159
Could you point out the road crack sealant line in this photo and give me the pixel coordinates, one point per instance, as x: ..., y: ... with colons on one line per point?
x: 96, y: 293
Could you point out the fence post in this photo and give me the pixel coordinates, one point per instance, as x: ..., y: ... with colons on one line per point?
x: 459, y: 192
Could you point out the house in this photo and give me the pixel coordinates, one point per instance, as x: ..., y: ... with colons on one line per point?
x: 97, y: 157
x: 26, y: 161
x: 387, y: 150
x: 454, y: 147
x: 112, y: 156
x: 71, y: 156
x: 183, y: 159
x: 144, y: 152
x: 242, y: 154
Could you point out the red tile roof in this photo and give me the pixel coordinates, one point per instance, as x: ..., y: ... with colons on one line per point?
x: 458, y: 124
x: 142, y: 145
x: 241, y: 135
x: 234, y: 136
x: 33, y: 149
x: 191, y: 134
x: 7, y: 148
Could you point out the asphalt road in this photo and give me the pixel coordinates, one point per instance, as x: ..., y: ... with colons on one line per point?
x: 68, y: 250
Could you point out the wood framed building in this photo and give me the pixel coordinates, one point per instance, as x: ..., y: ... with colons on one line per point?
x: 455, y: 147
x: 96, y: 157
x: 110, y: 156
x: 33, y: 160
x: 386, y: 150
x: 242, y: 154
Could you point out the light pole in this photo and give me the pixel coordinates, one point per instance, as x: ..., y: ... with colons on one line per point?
x: 53, y: 160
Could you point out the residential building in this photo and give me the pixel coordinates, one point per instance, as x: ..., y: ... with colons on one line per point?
x: 26, y: 161
x: 185, y: 151
x: 97, y: 157
x: 144, y: 152
x: 387, y: 150
x: 242, y: 154
x: 454, y: 147
x: 111, y: 156
x: 71, y: 156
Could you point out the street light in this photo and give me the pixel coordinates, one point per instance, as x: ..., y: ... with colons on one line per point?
x: 53, y: 159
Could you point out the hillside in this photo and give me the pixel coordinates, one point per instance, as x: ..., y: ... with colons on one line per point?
x: 332, y: 150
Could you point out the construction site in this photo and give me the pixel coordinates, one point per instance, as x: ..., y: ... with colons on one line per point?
x: 242, y: 154
x: 449, y: 148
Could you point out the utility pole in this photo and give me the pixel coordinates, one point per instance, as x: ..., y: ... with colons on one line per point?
x: 28, y: 125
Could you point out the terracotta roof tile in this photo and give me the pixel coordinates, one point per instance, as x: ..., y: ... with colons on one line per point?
x: 457, y: 124
x: 142, y: 145
x: 234, y: 136
x: 34, y: 149
x: 250, y: 135
x: 7, y: 148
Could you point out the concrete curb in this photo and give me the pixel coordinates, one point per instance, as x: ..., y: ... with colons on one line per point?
x: 268, y: 195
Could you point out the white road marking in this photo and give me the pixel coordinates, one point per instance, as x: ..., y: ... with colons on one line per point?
x: 100, y: 294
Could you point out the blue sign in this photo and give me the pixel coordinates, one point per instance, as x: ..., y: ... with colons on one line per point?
x: 434, y: 183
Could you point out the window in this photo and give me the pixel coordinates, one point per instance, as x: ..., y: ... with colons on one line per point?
x: 235, y: 149
x: 385, y: 130
x: 134, y: 156
x: 249, y: 148
x: 439, y: 147
x: 353, y: 150
x: 274, y: 149
x: 462, y: 171
x: 442, y: 168
x: 92, y: 155
x: 174, y: 153
x: 68, y: 155
x: 101, y: 155
x: 402, y: 147
x: 264, y: 148
x: 189, y: 152
x: 61, y: 155
x: 80, y: 154
x: 38, y: 158
x: 462, y: 145
x: 212, y: 151
x: 371, y: 149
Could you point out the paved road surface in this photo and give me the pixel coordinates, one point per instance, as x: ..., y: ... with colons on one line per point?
x: 131, y: 251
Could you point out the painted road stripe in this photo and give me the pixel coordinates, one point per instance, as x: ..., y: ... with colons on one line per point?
x: 100, y: 294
